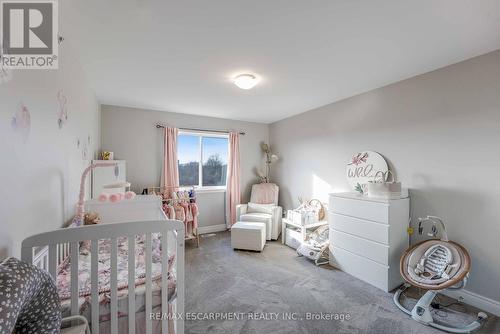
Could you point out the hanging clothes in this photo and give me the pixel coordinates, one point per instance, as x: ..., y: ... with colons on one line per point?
x: 194, y: 213
x: 179, y: 212
x: 169, y: 210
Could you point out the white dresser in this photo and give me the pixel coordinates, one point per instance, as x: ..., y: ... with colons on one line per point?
x: 368, y: 237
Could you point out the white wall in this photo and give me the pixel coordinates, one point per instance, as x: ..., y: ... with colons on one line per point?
x: 40, y: 176
x: 440, y: 132
x: 131, y: 134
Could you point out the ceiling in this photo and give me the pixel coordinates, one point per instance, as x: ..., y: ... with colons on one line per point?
x: 180, y: 56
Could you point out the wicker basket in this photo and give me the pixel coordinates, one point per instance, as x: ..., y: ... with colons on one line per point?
x: 321, y: 211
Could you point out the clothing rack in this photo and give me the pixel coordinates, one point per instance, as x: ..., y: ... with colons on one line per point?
x: 174, y: 188
x: 161, y: 126
x: 160, y: 190
x: 174, y: 200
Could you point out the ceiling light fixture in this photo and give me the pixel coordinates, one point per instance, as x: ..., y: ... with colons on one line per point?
x: 245, y: 81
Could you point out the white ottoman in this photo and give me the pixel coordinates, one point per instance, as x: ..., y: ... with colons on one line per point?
x: 248, y: 235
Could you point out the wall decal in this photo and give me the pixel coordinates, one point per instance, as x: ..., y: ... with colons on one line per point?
x: 62, y: 113
x: 5, y: 72
x: 21, y: 121
x: 85, y: 152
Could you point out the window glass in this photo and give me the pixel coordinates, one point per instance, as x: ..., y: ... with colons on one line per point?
x: 214, y: 161
x: 209, y: 153
x: 188, y: 155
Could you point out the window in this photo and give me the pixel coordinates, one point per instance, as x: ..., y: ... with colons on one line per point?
x: 202, y: 159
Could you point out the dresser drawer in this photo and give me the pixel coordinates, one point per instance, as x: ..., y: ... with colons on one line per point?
x: 360, y: 267
x: 366, y: 248
x: 375, y: 211
x: 363, y: 228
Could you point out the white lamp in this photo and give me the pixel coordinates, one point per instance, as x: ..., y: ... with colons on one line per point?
x: 245, y: 81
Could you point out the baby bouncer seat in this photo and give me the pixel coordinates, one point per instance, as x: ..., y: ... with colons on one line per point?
x: 315, y: 247
x: 435, y: 265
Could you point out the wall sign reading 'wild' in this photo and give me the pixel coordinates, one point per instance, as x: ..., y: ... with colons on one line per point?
x: 362, y: 168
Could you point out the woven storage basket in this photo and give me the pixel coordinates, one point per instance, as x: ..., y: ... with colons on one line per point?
x: 321, y: 212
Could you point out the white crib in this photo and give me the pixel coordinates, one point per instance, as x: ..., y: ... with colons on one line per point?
x: 47, y: 250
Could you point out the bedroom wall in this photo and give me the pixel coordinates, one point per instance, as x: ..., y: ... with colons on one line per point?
x: 131, y: 134
x: 440, y: 133
x: 40, y: 172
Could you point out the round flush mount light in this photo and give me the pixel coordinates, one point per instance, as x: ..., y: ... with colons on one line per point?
x: 245, y: 81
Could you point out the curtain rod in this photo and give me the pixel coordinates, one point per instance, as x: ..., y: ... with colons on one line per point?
x: 161, y: 126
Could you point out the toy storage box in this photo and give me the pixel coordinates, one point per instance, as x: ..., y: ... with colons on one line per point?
x: 293, y: 237
x: 302, y: 218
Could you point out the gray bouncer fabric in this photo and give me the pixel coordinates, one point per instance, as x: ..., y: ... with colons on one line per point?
x: 29, y: 302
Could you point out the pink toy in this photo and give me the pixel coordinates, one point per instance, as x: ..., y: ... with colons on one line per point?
x: 129, y: 195
x: 116, y: 197
x: 102, y: 198
x: 113, y: 198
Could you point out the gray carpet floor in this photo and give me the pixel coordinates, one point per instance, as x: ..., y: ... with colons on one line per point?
x: 260, y: 290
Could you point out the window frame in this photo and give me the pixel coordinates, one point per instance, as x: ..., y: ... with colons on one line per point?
x: 200, y: 187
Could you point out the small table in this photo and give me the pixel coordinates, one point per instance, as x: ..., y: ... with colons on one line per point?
x: 303, y: 228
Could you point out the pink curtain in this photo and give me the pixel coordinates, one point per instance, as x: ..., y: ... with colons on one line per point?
x: 233, y: 177
x: 170, y: 173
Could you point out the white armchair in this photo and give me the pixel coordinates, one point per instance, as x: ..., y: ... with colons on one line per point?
x: 263, y: 207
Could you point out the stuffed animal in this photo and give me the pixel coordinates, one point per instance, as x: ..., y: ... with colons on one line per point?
x: 91, y: 218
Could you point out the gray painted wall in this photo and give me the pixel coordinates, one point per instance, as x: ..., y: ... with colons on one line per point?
x: 131, y: 134
x: 440, y: 132
x: 41, y: 176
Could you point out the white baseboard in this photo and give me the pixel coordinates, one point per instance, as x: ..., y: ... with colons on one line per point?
x: 471, y: 298
x: 212, y: 228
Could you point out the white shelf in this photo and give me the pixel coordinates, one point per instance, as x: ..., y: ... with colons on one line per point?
x: 320, y: 223
x: 303, y: 228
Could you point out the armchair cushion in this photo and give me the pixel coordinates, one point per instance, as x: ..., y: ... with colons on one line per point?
x: 272, y: 221
x: 258, y: 217
x: 260, y: 208
x: 265, y: 193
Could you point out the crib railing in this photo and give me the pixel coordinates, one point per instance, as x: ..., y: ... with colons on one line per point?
x: 55, y: 243
x: 41, y: 255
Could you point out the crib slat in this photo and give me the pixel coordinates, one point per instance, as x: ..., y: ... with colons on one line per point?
x: 94, y: 285
x: 66, y: 250
x: 131, y: 284
x: 164, y: 281
x: 180, y: 302
x: 52, y: 260
x: 114, y: 285
x: 148, y: 284
x: 74, y: 277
